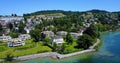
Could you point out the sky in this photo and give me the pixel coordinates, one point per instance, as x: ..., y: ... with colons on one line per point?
x: 19, y: 7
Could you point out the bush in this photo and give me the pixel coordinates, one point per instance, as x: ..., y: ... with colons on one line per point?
x: 13, y: 35
x: 9, y: 56
x: 2, y: 48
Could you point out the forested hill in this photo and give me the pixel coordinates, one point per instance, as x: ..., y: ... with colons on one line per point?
x: 66, y: 12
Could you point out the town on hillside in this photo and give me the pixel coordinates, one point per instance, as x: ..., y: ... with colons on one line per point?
x: 54, y: 30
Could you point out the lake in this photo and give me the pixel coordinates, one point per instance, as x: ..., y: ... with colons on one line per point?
x: 109, y: 52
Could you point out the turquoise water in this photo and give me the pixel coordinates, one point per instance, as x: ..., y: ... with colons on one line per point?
x: 109, y: 52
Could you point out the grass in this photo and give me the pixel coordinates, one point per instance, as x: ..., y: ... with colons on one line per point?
x: 71, y: 48
x: 29, y: 48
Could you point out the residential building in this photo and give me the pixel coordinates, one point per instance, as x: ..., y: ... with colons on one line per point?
x: 80, y: 32
x: 24, y: 37
x: 5, y: 38
x: 12, y: 18
x: 75, y: 35
x: 48, y: 33
x: 61, y: 33
x: 57, y: 40
x: 15, y: 42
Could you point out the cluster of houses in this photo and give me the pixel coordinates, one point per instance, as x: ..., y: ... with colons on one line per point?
x: 58, y: 37
x: 10, y: 19
x: 35, y: 20
x: 13, y: 42
x: 30, y: 25
x: 55, y: 38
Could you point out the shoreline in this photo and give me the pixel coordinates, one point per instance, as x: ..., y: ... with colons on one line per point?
x: 57, y: 55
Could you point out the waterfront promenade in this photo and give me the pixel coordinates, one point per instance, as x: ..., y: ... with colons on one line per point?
x: 57, y: 55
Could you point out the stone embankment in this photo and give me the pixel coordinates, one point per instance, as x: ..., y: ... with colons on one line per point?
x: 57, y: 55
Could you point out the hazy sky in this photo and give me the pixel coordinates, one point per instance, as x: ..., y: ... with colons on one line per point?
x: 19, y: 7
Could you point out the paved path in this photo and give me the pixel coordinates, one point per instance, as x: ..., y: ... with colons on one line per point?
x: 57, y: 55
x: 97, y: 42
x: 76, y: 53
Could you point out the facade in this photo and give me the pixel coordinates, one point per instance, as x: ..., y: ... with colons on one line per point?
x: 5, y: 38
x: 57, y: 40
x: 80, y: 32
x: 15, y: 42
x: 48, y: 33
x: 11, y: 18
x: 24, y: 37
x: 29, y: 27
x: 61, y: 33
x: 86, y: 25
x: 75, y: 35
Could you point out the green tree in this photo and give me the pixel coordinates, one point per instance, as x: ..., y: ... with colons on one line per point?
x: 47, y: 40
x: 92, y: 31
x: 9, y: 56
x: 35, y: 34
x: 13, y: 35
x: 21, y: 27
x: 10, y: 25
x: 14, y: 15
x: 84, y: 41
x: 1, y: 28
x: 62, y: 48
x: 54, y: 47
x: 42, y: 36
x: 69, y: 39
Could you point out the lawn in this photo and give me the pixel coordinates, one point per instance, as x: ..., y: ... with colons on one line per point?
x: 29, y: 48
x: 70, y: 48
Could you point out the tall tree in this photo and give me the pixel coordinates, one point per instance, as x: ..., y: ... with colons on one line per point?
x: 14, y: 35
x: 42, y: 36
x: 14, y: 15
x: 69, y: 39
x: 92, y: 31
x: 35, y: 34
x: 21, y: 27
x: 10, y: 25
x: 84, y: 41
x: 47, y: 40
x: 1, y: 27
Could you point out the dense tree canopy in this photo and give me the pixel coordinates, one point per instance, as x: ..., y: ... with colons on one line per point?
x: 10, y: 25
x: 35, y: 34
x: 21, y: 27
x: 14, y: 35
x: 84, y: 41
x: 69, y: 39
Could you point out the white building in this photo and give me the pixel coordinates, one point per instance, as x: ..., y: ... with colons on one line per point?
x: 61, y: 33
x: 48, y: 33
x: 11, y: 18
x: 24, y: 36
x: 57, y: 40
x: 86, y: 25
x: 5, y: 38
x: 80, y: 32
x: 15, y: 42
x: 76, y: 35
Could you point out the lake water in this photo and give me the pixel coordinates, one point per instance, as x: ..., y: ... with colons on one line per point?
x: 109, y: 52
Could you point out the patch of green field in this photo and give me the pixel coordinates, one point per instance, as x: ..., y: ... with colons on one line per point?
x: 71, y: 48
x: 29, y: 48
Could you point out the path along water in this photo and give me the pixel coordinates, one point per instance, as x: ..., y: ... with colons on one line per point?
x: 109, y: 52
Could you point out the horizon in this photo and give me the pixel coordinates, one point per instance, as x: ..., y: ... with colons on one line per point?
x: 24, y: 6
x: 61, y: 10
